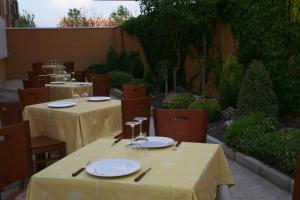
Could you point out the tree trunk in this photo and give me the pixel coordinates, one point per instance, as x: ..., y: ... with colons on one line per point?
x: 166, y: 88
x: 203, y: 63
x: 174, y: 79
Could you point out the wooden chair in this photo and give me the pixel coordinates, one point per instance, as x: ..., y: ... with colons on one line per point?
x: 91, y: 75
x: 10, y: 113
x: 37, y: 66
x: 134, y: 91
x: 69, y: 66
x: 32, y: 96
x: 181, y: 125
x: 296, y: 193
x: 33, y: 83
x: 101, y: 86
x: 15, y: 157
x: 79, y: 76
x: 131, y: 108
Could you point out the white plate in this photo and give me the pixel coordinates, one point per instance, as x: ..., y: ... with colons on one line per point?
x: 61, y: 104
x: 99, y: 98
x: 157, y: 142
x: 57, y: 82
x: 113, y: 167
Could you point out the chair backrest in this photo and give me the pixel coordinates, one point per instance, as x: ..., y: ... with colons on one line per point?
x: 131, y: 108
x: 37, y: 66
x: 69, y: 66
x: 35, y: 82
x: 32, y: 96
x: 10, y: 113
x: 134, y: 91
x: 80, y: 76
x: 181, y: 125
x: 15, y: 153
x: 296, y: 193
x: 101, y: 86
x: 92, y: 75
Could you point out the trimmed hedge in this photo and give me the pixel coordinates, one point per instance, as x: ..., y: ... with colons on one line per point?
x: 119, y: 78
x: 256, y: 92
x: 149, y: 86
x: 211, y: 105
x: 230, y: 83
x: 181, y: 101
x: 259, y: 136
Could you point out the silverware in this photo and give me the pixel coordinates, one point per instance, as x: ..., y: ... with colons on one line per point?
x: 116, y: 141
x: 176, y: 146
x: 81, y: 169
x: 139, y: 177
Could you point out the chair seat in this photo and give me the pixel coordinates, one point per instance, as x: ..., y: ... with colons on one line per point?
x: 44, y: 142
x: 20, y: 195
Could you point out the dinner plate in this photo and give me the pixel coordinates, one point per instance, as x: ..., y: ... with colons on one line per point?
x: 157, y: 142
x: 113, y: 167
x: 57, y: 82
x: 99, y: 98
x: 61, y: 104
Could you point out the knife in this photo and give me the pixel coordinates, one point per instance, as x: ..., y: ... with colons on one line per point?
x: 139, y: 177
x: 116, y: 141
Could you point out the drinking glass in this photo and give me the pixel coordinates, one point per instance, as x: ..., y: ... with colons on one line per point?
x: 85, y: 94
x: 132, y: 125
x: 141, y: 137
x: 76, y: 96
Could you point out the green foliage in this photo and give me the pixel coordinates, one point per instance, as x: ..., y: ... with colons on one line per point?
x: 26, y: 19
x: 210, y: 105
x: 136, y: 67
x: 121, y: 15
x: 270, y: 31
x: 112, y: 59
x: 119, y: 78
x: 98, y: 68
x: 256, y: 93
x: 230, y: 83
x: 259, y: 136
x: 148, y: 85
x: 181, y: 101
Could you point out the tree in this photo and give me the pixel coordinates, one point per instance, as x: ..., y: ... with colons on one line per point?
x: 75, y: 18
x: 121, y: 15
x: 27, y: 19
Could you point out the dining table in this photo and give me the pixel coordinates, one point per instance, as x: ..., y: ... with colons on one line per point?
x: 54, y: 68
x: 77, y: 125
x: 193, y: 171
x: 59, y: 77
x: 64, y: 90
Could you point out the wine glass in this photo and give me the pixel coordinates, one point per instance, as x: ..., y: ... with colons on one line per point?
x: 73, y: 77
x: 76, y: 96
x: 85, y: 94
x: 132, y: 124
x: 141, y: 137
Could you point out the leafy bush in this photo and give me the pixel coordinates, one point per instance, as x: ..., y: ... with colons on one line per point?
x: 99, y: 68
x: 181, y: 101
x: 149, y: 86
x: 256, y: 92
x: 119, y: 78
x: 230, y: 82
x: 259, y: 136
x: 136, y: 67
x: 112, y: 60
x: 211, y: 105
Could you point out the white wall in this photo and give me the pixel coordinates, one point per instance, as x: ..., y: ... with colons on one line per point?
x: 3, y: 46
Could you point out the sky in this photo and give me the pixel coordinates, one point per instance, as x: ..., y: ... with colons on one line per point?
x: 48, y: 12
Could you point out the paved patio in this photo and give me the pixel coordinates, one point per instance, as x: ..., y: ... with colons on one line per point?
x: 248, y: 185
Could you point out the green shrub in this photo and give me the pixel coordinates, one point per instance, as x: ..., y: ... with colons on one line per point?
x: 136, y: 67
x: 112, y: 59
x: 211, y: 105
x: 181, y: 101
x: 119, y: 78
x: 256, y: 92
x: 230, y: 82
x: 149, y: 86
x: 259, y: 136
x: 99, y: 68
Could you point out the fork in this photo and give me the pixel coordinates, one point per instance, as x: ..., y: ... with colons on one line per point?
x: 176, y: 146
x: 81, y: 169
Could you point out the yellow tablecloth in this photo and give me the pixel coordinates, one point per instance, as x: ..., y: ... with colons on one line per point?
x: 65, y: 91
x: 192, y: 172
x: 55, y: 69
x: 78, y: 125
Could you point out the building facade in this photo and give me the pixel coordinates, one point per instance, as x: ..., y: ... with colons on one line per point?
x: 9, y: 11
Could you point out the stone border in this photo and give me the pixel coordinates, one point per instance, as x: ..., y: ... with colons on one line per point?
x: 274, y: 176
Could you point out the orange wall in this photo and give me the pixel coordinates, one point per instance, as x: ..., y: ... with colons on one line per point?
x: 2, y: 70
x: 84, y: 46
